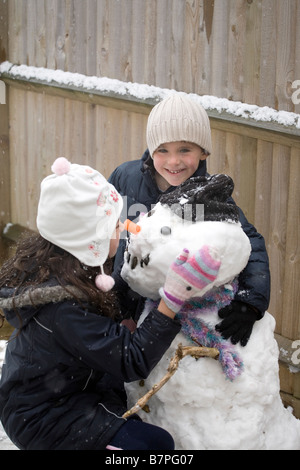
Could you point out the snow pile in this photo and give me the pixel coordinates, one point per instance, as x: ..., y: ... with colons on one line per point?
x: 138, y: 91
x: 91, y: 83
x: 203, y: 410
x: 249, y: 111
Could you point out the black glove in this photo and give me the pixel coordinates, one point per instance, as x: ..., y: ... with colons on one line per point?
x: 238, y: 322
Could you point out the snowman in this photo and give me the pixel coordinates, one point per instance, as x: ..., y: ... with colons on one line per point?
x: 231, y: 402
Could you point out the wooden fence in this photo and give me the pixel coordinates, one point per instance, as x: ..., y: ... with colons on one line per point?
x: 244, y: 50
x: 203, y: 42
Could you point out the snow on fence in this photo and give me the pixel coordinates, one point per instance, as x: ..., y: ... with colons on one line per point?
x: 222, y: 108
x: 102, y: 122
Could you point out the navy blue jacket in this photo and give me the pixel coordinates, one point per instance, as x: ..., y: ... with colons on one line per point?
x: 62, y: 384
x: 135, y: 180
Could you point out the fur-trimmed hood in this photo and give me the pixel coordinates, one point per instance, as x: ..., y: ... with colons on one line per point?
x: 25, y: 304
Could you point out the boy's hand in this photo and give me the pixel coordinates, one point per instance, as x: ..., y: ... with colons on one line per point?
x: 238, y: 321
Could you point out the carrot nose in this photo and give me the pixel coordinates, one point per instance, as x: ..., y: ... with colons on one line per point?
x: 131, y: 227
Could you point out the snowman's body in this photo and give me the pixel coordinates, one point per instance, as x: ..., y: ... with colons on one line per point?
x: 200, y: 406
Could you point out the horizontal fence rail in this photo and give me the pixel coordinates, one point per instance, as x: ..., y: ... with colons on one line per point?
x: 94, y: 89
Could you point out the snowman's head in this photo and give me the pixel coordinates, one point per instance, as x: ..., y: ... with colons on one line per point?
x: 193, y: 215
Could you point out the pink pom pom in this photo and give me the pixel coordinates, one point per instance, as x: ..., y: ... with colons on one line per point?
x: 61, y: 166
x: 104, y: 282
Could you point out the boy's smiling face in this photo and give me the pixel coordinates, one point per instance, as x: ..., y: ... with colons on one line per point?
x: 175, y: 162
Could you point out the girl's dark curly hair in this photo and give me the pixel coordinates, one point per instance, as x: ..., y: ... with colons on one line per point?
x: 36, y: 261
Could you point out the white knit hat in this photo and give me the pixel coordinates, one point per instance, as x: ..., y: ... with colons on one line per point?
x: 178, y: 118
x: 78, y: 211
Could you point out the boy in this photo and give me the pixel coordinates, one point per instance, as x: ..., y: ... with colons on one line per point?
x: 179, y: 142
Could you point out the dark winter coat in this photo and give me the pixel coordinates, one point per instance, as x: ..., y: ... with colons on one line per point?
x: 135, y: 180
x: 62, y: 384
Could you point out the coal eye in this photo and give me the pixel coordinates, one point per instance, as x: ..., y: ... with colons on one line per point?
x: 165, y: 230
x: 134, y: 262
x: 188, y: 288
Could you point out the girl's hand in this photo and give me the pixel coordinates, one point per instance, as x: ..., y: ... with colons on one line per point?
x: 190, y: 277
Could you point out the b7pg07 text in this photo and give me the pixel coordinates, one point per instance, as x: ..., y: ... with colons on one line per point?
x: 175, y: 459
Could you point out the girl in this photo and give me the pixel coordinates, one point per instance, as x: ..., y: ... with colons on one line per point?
x: 65, y: 365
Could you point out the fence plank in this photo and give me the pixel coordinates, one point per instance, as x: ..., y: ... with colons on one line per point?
x: 4, y: 125
x: 268, y: 49
x: 285, y: 41
x: 291, y: 291
x: 263, y: 188
x: 278, y: 228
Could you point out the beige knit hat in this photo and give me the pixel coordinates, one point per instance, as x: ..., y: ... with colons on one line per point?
x: 178, y: 118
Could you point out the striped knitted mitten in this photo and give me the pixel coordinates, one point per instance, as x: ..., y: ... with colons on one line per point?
x: 190, y: 277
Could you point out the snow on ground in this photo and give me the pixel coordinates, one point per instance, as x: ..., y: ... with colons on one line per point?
x: 5, y: 442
